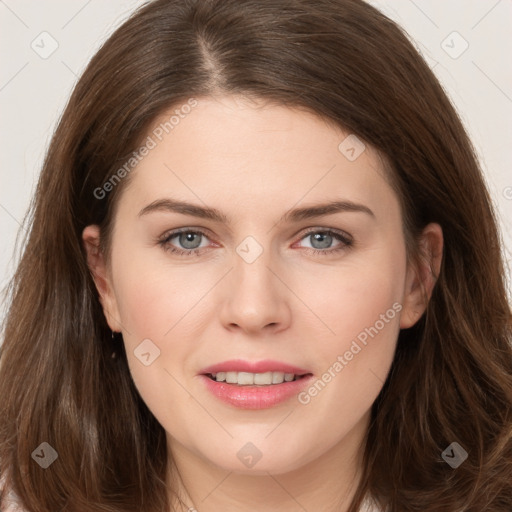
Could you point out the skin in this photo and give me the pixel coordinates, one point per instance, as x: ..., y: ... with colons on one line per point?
x: 254, y: 162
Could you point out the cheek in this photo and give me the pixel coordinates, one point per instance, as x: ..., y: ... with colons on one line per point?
x: 154, y: 297
x: 162, y: 303
x: 156, y: 308
x: 362, y: 310
x: 358, y: 293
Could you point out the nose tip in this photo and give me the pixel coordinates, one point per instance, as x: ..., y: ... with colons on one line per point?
x: 255, y: 299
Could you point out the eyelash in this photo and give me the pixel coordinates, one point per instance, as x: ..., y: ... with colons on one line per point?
x: 346, y: 242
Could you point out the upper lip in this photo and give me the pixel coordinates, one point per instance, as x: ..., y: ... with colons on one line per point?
x: 238, y: 365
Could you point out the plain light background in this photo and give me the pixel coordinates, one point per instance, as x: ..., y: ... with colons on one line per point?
x: 45, y: 45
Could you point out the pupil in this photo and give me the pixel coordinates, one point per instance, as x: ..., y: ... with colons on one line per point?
x: 187, y: 240
x: 323, y: 239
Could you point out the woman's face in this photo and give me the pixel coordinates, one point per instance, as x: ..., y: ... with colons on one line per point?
x: 292, y: 261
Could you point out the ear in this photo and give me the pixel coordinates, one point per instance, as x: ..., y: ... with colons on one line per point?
x: 100, y: 275
x: 421, y: 278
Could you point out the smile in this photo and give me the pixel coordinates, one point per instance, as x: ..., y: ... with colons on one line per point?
x: 250, y: 379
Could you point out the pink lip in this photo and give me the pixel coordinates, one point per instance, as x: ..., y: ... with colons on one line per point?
x: 238, y: 365
x: 255, y: 397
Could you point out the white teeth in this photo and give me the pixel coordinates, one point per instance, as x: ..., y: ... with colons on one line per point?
x: 250, y: 379
x: 263, y: 379
x: 246, y: 379
x: 232, y: 377
x: 277, y: 377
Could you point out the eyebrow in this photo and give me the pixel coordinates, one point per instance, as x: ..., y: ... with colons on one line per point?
x: 295, y: 215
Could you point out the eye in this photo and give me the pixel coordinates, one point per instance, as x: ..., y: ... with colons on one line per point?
x: 321, y: 241
x: 188, y: 241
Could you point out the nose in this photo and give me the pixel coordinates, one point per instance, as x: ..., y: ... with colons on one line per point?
x: 255, y: 299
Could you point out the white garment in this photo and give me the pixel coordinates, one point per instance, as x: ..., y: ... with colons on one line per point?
x: 369, y: 505
x: 11, y: 504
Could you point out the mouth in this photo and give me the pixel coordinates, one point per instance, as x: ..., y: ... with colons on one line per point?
x: 255, y: 379
x: 255, y: 385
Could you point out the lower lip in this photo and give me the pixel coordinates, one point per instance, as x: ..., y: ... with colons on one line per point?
x: 256, y: 397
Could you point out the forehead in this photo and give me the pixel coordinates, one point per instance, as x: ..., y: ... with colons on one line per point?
x: 250, y: 154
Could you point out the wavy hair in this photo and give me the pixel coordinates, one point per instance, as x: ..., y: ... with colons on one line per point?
x: 451, y: 379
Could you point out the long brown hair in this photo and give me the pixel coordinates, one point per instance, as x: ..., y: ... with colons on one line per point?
x: 451, y: 380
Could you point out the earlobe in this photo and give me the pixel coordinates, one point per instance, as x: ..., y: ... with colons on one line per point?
x: 421, y: 278
x: 98, y: 269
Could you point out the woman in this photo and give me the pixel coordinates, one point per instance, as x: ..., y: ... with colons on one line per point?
x: 263, y: 273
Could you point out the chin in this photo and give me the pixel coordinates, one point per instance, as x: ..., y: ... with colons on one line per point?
x: 249, y: 460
